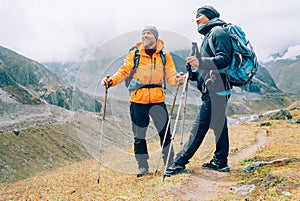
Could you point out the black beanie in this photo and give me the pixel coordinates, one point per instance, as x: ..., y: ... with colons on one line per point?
x: 209, y: 11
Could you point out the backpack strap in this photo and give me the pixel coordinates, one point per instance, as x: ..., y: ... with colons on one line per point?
x: 222, y: 70
x: 163, y: 59
x: 212, y: 48
x: 211, y: 45
x: 136, y: 64
x: 136, y: 58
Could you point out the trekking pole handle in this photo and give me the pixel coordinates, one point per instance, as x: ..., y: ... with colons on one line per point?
x: 106, y: 77
x: 194, y: 49
x: 105, y: 99
x: 194, y: 53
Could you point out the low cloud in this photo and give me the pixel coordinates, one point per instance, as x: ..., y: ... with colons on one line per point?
x: 60, y: 30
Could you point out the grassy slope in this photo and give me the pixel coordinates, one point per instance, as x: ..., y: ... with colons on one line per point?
x: 273, y: 182
x: 39, y: 149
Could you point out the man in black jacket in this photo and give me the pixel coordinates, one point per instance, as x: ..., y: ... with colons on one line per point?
x: 213, y: 84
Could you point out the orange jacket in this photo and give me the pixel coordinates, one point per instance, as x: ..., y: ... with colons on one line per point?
x: 149, y: 71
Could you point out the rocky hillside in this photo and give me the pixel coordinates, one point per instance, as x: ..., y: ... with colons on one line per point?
x: 29, y: 82
x: 285, y: 73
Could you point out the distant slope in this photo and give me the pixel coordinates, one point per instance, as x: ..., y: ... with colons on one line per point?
x: 97, y: 66
x: 285, y: 73
x: 29, y: 82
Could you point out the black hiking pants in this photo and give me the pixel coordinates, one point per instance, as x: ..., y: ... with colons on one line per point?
x: 140, y: 119
x: 211, y: 115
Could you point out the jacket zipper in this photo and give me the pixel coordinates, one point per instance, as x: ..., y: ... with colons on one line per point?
x: 150, y: 77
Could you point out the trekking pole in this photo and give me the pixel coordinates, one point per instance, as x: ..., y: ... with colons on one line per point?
x: 102, y: 127
x: 176, y: 121
x: 183, y: 116
x: 183, y: 94
x: 194, y: 52
x: 168, y: 124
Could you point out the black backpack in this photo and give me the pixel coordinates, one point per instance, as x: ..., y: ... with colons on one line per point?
x: 136, y: 64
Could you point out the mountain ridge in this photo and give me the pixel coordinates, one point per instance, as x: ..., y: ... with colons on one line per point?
x: 29, y: 82
x: 285, y: 73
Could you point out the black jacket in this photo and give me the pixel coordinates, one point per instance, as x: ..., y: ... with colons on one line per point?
x: 208, y: 78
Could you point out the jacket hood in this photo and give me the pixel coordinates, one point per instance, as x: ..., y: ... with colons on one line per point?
x: 209, y: 25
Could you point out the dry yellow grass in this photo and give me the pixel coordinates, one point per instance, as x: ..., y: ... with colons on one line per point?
x: 249, y: 142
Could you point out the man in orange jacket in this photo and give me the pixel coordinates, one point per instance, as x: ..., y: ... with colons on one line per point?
x: 147, y: 97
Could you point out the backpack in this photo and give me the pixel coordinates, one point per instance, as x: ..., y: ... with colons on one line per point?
x: 136, y: 64
x: 244, y: 64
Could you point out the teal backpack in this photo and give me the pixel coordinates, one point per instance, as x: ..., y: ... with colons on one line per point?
x: 243, y: 66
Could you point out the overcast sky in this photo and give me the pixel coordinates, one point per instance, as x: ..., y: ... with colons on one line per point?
x: 58, y: 30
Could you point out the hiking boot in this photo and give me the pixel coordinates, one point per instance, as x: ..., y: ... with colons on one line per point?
x: 212, y: 165
x: 175, y: 169
x: 142, y: 171
x: 142, y: 165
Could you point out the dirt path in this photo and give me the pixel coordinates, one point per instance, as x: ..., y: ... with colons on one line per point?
x: 206, y: 184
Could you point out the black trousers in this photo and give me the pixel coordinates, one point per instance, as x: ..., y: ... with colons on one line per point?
x: 211, y: 115
x: 140, y: 119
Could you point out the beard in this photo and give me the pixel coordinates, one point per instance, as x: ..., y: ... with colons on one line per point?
x: 149, y: 44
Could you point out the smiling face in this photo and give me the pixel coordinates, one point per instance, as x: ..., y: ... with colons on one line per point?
x: 149, y: 40
x: 201, y: 19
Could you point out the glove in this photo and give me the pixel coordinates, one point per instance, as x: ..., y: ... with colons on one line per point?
x: 107, y: 81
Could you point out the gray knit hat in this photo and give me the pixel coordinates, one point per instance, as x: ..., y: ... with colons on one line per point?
x: 209, y: 11
x: 152, y: 29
